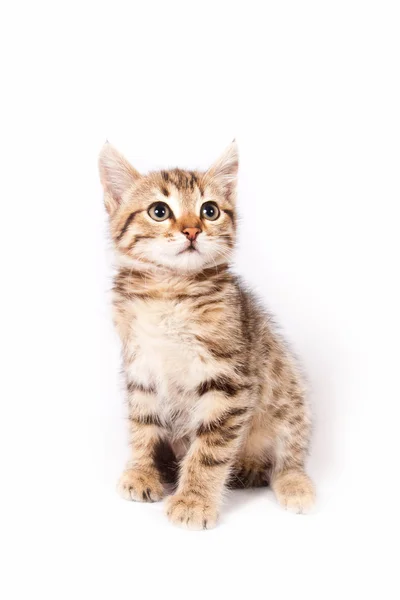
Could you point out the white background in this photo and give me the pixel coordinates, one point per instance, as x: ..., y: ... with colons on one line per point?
x: 311, y: 92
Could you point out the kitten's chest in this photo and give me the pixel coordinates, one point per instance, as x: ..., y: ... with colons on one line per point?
x: 164, y: 340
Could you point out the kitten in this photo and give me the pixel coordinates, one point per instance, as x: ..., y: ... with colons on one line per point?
x: 210, y: 385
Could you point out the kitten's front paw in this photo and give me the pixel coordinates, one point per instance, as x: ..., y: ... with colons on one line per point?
x: 191, y: 512
x: 295, y: 491
x: 141, y: 486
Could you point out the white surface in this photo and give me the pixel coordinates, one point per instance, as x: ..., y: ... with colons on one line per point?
x: 311, y: 92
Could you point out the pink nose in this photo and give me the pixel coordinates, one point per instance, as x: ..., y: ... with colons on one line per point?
x: 191, y: 233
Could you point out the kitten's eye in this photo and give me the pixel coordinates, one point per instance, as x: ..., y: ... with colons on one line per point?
x: 159, y: 211
x: 209, y: 211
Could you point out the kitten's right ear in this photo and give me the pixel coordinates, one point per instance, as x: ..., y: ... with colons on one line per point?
x: 117, y: 176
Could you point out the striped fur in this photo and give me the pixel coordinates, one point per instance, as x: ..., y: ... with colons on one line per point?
x: 210, y: 385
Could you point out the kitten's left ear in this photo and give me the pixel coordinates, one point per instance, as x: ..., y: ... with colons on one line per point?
x: 224, y: 171
x: 117, y: 176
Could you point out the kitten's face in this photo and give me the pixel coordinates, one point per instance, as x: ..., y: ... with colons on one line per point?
x: 182, y: 220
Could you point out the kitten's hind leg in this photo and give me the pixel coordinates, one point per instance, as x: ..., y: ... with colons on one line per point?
x: 294, y: 490
x: 290, y: 425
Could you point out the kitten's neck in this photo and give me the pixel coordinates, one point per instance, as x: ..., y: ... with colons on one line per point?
x: 165, y: 283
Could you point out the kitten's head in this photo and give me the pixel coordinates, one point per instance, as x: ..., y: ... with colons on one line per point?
x: 180, y: 220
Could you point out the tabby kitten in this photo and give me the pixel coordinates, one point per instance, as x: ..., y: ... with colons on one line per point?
x: 211, y: 387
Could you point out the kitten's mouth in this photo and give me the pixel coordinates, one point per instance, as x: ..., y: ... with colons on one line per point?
x: 189, y: 248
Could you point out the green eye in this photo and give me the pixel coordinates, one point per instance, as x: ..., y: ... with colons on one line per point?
x: 209, y: 211
x: 159, y: 211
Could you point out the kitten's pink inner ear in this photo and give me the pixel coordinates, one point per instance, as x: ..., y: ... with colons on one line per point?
x: 225, y: 169
x: 117, y: 176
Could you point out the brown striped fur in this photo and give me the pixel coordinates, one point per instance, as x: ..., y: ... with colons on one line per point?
x: 211, y: 386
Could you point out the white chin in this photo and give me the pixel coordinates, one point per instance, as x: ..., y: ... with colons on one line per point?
x: 186, y: 261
